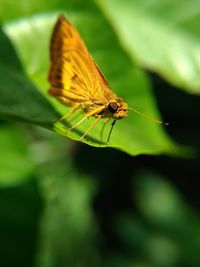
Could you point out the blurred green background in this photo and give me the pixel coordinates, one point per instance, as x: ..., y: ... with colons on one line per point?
x: 63, y: 203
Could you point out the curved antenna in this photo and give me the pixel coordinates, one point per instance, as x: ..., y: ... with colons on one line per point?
x: 148, y: 117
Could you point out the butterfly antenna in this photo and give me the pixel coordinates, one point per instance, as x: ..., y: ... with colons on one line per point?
x: 148, y: 117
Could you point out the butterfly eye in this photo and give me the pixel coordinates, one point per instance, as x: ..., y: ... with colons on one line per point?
x: 113, y: 107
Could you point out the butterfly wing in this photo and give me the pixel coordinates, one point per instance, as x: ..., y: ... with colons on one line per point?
x: 73, y: 73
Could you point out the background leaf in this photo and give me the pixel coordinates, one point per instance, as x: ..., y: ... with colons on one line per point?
x: 20, y: 100
x: 160, y: 35
x: 14, y: 149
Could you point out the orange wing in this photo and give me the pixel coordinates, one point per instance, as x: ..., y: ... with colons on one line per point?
x: 73, y: 72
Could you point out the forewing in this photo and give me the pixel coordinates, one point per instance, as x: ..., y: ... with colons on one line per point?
x: 72, y: 68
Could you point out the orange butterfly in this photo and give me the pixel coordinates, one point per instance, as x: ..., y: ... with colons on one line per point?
x: 77, y: 81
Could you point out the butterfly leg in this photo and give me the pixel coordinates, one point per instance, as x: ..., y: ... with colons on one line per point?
x: 91, y: 126
x: 112, y: 125
x: 103, y: 127
x: 72, y: 110
x: 76, y: 116
x: 91, y: 113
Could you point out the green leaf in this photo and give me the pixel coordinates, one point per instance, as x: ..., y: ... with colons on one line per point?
x: 16, y: 165
x: 68, y: 228
x: 164, y: 207
x: 30, y: 36
x: 20, y: 100
x: 20, y: 212
x: 160, y: 35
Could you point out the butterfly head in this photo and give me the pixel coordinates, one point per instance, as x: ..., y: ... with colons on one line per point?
x: 117, y: 108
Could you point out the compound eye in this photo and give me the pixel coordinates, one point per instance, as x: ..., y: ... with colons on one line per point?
x: 113, y: 107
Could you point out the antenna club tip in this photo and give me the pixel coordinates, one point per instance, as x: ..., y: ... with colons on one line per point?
x: 166, y: 123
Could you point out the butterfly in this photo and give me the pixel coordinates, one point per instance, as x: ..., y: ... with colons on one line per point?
x: 77, y: 81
